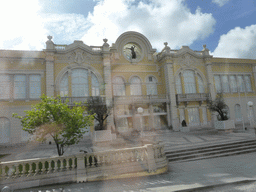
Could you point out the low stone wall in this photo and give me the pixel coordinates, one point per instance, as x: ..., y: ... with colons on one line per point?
x: 129, y: 162
x: 224, y: 125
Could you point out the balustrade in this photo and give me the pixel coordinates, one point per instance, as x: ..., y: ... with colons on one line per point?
x: 33, y: 167
x: 78, y: 165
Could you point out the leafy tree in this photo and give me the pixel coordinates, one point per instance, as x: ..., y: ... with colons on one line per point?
x: 219, y: 106
x: 97, y: 107
x: 53, y: 118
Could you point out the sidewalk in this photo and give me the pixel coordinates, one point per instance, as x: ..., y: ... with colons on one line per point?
x: 181, y: 176
x: 169, y: 138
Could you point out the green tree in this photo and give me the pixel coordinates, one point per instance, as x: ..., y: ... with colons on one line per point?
x: 53, y: 118
x: 97, y: 106
x: 219, y: 106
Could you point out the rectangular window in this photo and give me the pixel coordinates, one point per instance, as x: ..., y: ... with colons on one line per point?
x: 225, y: 85
x: 5, y: 86
x: 19, y: 86
x: 178, y: 85
x: 248, y: 84
x: 193, y: 116
x: 240, y: 83
x: 204, y: 112
x: 34, y: 86
x: 217, y: 83
x: 233, y: 84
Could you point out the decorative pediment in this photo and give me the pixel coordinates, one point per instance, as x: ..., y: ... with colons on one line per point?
x: 187, y: 60
x: 79, y: 56
x: 186, y: 50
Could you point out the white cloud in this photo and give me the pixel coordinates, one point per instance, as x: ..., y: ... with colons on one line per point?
x: 21, y: 25
x: 26, y: 27
x: 220, y: 2
x: 238, y: 43
x: 159, y: 20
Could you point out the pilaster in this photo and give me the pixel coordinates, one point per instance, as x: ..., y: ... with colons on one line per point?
x: 170, y: 87
x: 210, y: 77
x: 107, y: 80
x: 254, y: 73
x: 49, y: 67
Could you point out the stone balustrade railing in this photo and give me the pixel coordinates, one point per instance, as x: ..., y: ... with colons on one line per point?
x: 83, y: 167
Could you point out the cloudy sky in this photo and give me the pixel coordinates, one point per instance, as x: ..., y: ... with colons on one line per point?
x: 227, y: 27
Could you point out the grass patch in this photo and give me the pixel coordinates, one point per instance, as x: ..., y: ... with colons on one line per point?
x: 3, y: 155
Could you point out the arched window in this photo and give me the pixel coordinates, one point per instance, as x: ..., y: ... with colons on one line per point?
x: 118, y: 86
x: 95, y: 85
x: 151, y: 86
x: 4, y: 130
x: 135, y: 87
x: 79, y: 83
x: 64, y: 85
x: 5, y: 86
x: 200, y: 84
x: 178, y: 85
x: 80, y: 86
x: 238, y: 113
x: 189, y: 81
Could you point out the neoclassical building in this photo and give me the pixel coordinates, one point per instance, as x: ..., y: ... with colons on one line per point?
x: 170, y: 86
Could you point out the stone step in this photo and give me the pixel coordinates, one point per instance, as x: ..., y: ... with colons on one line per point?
x: 215, y: 156
x: 207, y: 145
x: 217, y: 150
x: 210, y: 149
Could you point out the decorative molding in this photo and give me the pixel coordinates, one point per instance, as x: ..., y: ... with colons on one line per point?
x: 25, y: 72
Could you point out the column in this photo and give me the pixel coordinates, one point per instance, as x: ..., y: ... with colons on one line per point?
x: 69, y: 83
x: 197, y: 86
x: 151, y: 117
x: 170, y: 85
x: 90, y: 82
x: 50, y: 49
x: 182, y: 83
x: 210, y: 83
x: 107, y: 80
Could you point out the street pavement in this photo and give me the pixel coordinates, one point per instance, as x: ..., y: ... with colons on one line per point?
x: 181, y: 176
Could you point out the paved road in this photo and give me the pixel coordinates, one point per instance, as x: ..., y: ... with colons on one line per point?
x: 181, y: 176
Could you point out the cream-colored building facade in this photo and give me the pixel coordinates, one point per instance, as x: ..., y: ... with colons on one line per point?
x: 170, y: 86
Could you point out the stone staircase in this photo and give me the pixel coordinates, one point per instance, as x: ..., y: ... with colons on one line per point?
x: 199, y: 152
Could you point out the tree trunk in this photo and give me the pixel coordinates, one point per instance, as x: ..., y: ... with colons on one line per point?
x: 60, y: 149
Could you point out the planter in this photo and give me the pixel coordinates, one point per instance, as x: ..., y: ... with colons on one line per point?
x: 101, y: 136
x: 184, y: 129
x: 224, y: 125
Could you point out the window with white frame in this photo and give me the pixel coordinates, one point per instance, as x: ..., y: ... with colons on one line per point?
x: 182, y: 114
x: 248, y: 84
x: 135, y: 86
x: 225, y: 83
x: 189, y: 81
x: 5, y: 87
x: 25, y: 86
x: 233, y: 84
x: 217, y: 83
x: 200, y: 84
x: 193, y: 116
x: 4, y: 130
x: 79, y: 83
x: 64, y: 85
x: 19, y: 87
x: 118, y: 86
x: 95, y: 85
x: 80, y: 86
x: 34, y: 86
x: 151, y: 86
x: 238, y: 114
x: 178, y: 85
x: 240, y: 83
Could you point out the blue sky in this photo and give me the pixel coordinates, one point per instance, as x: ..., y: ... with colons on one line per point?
x: 227, y: 27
